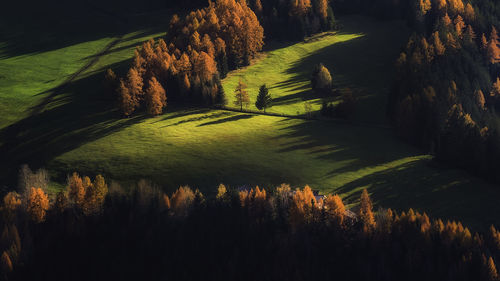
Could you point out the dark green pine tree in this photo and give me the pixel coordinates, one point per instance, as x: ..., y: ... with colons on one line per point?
x: 264, y: 99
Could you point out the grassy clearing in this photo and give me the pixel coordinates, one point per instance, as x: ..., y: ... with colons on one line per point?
x: 79, y: 130
x: 360, y: 57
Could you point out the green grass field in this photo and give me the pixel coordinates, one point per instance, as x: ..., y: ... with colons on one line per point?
x: 360, y: 57
x: 78, y: 130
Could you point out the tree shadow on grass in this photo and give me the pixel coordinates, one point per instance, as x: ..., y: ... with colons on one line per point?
x: 364, y: 64
x: 199, y: 118
x: 80, y: 113
x: 426, y: 187
x: 227, y: 119
x: 400, y: 178
x: 38, y: 28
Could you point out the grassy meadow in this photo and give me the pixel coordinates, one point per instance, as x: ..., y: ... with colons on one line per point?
x: 78, y: 128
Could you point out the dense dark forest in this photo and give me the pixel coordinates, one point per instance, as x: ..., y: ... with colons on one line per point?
x: 95, y: 232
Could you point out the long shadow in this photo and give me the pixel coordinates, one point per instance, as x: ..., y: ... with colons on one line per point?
x: 75, y: 116
x: 42, y: 27
x: 439, y: 191
x: 227, y: 119
x: 199, y: 118
x: 364, y: 63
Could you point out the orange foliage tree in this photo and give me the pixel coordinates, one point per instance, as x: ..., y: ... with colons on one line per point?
x: 366, y: 211
x: 37, y: 205
x: 156, y: 99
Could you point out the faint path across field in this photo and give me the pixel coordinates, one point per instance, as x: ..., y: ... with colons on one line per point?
x: 305, y: 117
x: 95, y: 58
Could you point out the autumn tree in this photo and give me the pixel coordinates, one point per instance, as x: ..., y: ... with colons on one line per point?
x: 479, y: 98
x: 264, y: 99
x: 156, y: 99
x: 335, y: 207
x: 37, y: 204
x: 321, y: 80
x: 12, y: 201
x: 366, y: 212
x: 492, y: 49
x: 241, y: 95
x: 76, y: 191
x: 181, y: 200
x: 126, y: 103
x: 6, y: 263
x: 135, y: 85
x: 302, y: 206
x: 221, y: 192
x: 438, y: 45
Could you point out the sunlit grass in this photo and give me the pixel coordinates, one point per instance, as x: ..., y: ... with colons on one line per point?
x: 203, y: 147
x: 359, y: 56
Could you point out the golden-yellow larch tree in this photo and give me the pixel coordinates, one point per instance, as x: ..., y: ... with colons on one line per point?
x: 37, y: 204
x: 156, y: 99
x: 126, y: 103
x: 76, y: 191
x: 135, y: 85
x: 493, y: 51
x: 335, y: 207
x: 241, y: 95
x: 366, y: 211
x: 6, y: 262
x: 181, y: 200
x: 439, y: 47
x: 221, y: 192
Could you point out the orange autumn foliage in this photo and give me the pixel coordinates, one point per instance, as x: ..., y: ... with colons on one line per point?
x: 37, y: 204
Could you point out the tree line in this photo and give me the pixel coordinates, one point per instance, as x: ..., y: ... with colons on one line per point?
x: 201, y: 48
x: 93, y: 230
x: 446, y: 94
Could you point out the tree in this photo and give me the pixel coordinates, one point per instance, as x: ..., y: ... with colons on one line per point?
x: 493, y: 51
x: 366, y: 212
x: 438, y: 45
x: 156, y: 99
x: 181, y: 200
x: 76, y: 191
x: 12, y: 201
x: 221, y: 192
x: 135, y: 85
x: 479, y: 97
x: 321, y: 80
x: 37, y: 205
x: 126, y: 103
x: 264, y: 99
x: 335, y: 207
x: 241, y: 95
x: 6, y: 263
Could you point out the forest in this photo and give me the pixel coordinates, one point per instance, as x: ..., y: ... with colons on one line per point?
x: 252, y: 93
x: 95, y: 231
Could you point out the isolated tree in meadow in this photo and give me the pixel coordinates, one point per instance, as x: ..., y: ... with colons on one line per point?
x: 321, y: 80
x: 241, y: 95
x: 126, y: 103
x: 37, y: 205
x: 366, y: 212
x: 156, y: 99
x: 264, y: 99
